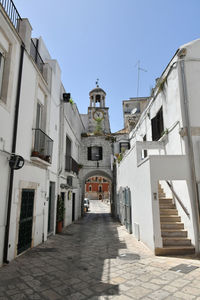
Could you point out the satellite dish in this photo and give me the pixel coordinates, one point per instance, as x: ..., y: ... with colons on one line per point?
x: 133, y: 111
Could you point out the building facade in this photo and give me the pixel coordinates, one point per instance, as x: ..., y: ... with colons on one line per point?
x: 97, y: 188
x: 161, y: 168
x: 36, y: 166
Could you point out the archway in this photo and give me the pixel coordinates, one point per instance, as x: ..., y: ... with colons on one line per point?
x: 97, y: 185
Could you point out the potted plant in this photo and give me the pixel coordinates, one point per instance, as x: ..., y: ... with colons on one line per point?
x: 35, y: 153
x: 60, y: 214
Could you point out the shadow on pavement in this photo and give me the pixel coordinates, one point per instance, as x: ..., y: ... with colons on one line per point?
x: 81, y: 263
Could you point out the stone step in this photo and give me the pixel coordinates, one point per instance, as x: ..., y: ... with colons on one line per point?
x: 173, y: 233
x: 165, y: 200
x: 176, y: 241
x: 170, y: 206
x: 170, y: 218
x: 161, y: 195
x: 168, y: 211
x: 175, y: 250
x: 172, y: 225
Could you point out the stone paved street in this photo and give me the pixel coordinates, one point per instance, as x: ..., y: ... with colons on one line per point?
x: 96, y: 258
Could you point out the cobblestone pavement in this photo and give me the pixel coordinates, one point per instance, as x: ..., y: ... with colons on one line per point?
x: 96, y: 258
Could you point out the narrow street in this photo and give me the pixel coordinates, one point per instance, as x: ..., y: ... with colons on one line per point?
x: 95, y: 258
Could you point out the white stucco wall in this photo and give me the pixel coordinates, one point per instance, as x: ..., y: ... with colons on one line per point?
x: 139, y: 182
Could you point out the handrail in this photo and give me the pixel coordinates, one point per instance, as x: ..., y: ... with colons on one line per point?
x: 12, y: 12
x: 178, y: 199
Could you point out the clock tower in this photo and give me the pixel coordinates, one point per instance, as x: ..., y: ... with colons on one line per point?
x: 98, y: 117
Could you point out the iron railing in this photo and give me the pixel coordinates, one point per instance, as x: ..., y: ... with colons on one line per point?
x: 36, y: 55
x: 178, y: 199
x: 71, y: 165
x: 11, y: 12
x: 43, y: 146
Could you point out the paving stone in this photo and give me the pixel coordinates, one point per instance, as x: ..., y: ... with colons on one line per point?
x: 50, y: 295
x: 184, y: 296
x: 191, y: 290
x: 138, y: 292
x: 180, y: 283
x: 159, y: 295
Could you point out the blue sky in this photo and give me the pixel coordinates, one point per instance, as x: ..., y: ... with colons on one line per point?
x: 104, y: 39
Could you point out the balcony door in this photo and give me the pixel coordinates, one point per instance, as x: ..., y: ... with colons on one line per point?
x: 68, y: 166
x: 26, y: 220
x: 51, y: 207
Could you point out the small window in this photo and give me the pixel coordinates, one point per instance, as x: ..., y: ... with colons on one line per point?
x: 157, y: 126
x: 124, y: 146
x: 95, y: 153
x: 100, y: 188
x: 90, y: 188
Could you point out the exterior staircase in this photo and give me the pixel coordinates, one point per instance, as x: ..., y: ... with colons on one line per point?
x: 174, y: 236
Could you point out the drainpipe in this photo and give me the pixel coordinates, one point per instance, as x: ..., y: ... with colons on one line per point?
x: 195, y: 205
x: 14, y: 141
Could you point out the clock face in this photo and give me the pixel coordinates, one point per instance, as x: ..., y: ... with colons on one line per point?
x: 98, y: 115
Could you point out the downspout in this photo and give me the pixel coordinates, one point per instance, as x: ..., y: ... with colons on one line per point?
x: 14, y: 141
x: 194, y: 203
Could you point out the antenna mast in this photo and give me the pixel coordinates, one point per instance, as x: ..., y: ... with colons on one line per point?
x: 138, y: 77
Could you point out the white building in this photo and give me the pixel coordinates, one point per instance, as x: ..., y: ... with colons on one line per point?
x: 34, y: 125
x: 171, y: 127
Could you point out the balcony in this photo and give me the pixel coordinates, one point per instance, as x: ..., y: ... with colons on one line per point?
x: 71, y: 165
x: 11, y: 12
x: 43, y: 146
x: 36, y: 55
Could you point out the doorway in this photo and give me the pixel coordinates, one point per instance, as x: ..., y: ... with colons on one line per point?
x: 26, y: 220
x: 73, y: 206
x: 51, y: 207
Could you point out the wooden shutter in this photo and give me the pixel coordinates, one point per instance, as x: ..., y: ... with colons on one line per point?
x: 89, y: 153
x: 100, y: 153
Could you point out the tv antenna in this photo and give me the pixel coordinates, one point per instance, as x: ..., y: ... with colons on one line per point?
x: 138, y: 78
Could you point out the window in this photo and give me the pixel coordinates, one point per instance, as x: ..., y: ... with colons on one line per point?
x: 145, y: 151
x: 95, y: 153
x: 157, y: 126
x: 90, y: 188
x: 68, y: 162
x: 2, y: 61
x: 124, y: 146
x: 68, y: 146
x: 40, y: 120
x: 100, y: 188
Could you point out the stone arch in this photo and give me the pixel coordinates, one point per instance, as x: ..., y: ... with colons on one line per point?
x: 94, y: 173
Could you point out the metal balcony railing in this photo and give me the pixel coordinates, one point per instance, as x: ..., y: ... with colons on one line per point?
x: 11, y: 12
x: 43, y: 146
x: 71, y: 165
x: 36, y: 56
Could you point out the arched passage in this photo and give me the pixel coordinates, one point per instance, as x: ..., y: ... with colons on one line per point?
x: 100, y: 193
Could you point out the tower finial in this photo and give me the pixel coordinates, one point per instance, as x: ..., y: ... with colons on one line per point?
x: 97, y: 82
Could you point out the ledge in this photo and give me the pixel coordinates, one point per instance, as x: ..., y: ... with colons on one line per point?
x: 40, y: 161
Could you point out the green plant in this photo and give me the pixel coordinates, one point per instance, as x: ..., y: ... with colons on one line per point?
x: 71, y: 101
x: 98, y: 128
x: 60, y: 209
